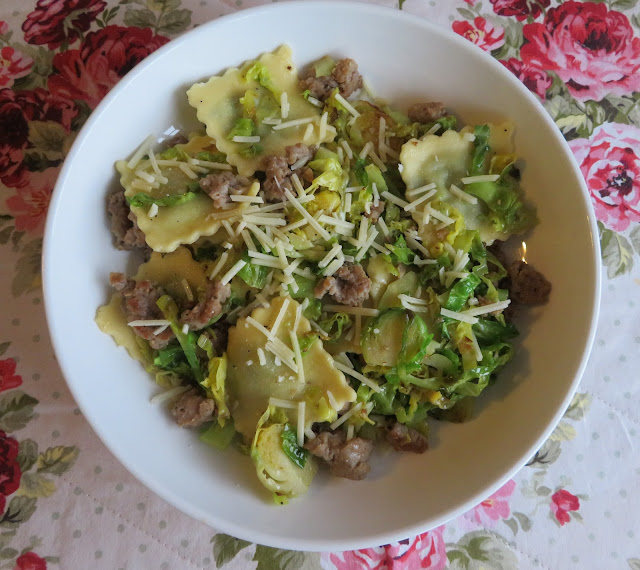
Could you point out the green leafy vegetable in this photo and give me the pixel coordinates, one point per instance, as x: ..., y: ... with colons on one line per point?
x: 508, y: 213
x: 360, y: 172
x: 187, y: 341
x: 306, y: 291
x: 400, y: 251
x: 252, y: 150
x: 253, y: 275
x: 173, y: 153
x: 211, y: 157
x: 461, y: 291
x: 491, y: 332
x: 480, y: 149
x: 142, y: 200
x: 214, y: 386
x: 243, y: 128
x: 324, y: 66
x: 334, y: 325
x: 218, y: 436
x: 258, y: 72
x: 290, y: 446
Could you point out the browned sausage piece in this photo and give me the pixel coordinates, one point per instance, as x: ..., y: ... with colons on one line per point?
x: 192, y: 409
x: 346, y: 458
x: 528, y: 286
x: 404, y: 438
x: 350, y: 285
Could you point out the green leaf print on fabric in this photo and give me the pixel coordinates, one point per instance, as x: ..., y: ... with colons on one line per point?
x: 175, y: 22
x: 481, y: 549
x: 226, y: 548
x: 139, y: 18
x: 634, y: 236
x: 16, y: 410
x: 27, y: 272
x: 617, y: 254
x: 634, y: 563
x: 57, y: 460
x: 27, y: 454
x: 3, y: 347
x: 19, y: 510
x: 278, y: 559
x: 34, y: 485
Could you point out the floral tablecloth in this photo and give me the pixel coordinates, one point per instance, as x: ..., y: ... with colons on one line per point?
x: 65, y: 502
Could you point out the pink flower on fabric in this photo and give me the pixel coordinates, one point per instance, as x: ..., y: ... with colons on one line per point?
x: 4, y: 27
x: 54, y: 22
x: 29, y: 205
x: 104, y: 57
x: 30, y: 561
x: 493, y: 509
x: 591, y: 48
x: 481, y: 33
x: 610, y: 163
x: 521, y: 9
x: 426, y: 550
x: 561, y: 503
x: 534, y: 79
x: 8, y: 377
x: 13, y: 65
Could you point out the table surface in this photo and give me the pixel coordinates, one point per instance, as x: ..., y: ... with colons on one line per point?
x: 66, y: 501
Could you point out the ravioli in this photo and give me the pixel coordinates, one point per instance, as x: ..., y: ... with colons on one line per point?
x: 218, y: 106
x: 181, y: 223
x: 444, y: 160
x: 250, y: 385
x: 111, y: 319
x: 171, y: 270
x: 167, y: 270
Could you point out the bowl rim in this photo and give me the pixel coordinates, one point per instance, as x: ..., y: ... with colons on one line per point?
x: 48, y: 271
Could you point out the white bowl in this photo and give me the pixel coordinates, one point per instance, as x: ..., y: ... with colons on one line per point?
x: 405, y: 59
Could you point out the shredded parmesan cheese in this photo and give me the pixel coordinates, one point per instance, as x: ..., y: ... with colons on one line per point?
x: 350, y: 372
x: 364, y: 311
x: 218, y: 266
x: 294, y: 123
x: 485, y: 309
x: 312, y: 221
x: 242, y: 198
x: 284, y: 105
x: 397, y: 201
x: 458, y: 316
x: 280, y: 403
x: 344, y: 417
x: 297, y: 355
x: 153, y: 211
x: 340, y: 99
x: 149, y: 323
x: 481, y: 178
x: 238, y: 265
x: 462, y: 195
x: 251, y: 139
x: 345, y: 145
x: 188, y: 171
x: 142, y: 150
x: 301, y: 418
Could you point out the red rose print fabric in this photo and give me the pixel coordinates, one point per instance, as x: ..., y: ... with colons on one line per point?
x: 562, y: 503
x: 521, y: 9
x: 55, y: 22
x: 534, y: 79
x: 481, y: 33
x: 89, y: 72
x: 8, y: 377
x: 591, y: 48
x: 610, y: 163
x: 30, y: 561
